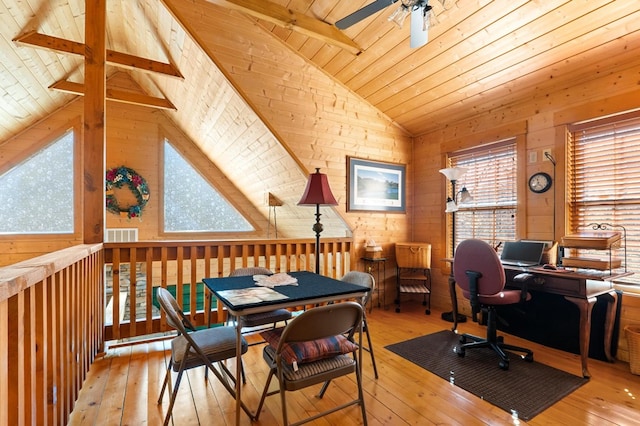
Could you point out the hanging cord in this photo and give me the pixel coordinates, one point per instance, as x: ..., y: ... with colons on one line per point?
x: 553, y: 161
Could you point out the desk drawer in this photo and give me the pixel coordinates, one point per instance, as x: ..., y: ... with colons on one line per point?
x: 551, y: 284
x: 558, y: 285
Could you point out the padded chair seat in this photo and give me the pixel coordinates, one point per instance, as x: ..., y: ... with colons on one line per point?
x: 217, y: 344
x: 340, y: 365
x: 261, y: 318
x: 507, y: 297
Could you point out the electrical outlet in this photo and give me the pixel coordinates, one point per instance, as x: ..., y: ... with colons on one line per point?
x: 533, y: 156
x: 546, y: 153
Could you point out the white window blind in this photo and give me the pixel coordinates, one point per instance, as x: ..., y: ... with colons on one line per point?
x: 491, y: 181
x: 604, y: 180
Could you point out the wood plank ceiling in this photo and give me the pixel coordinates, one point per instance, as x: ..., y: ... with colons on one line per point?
x: 482, y: 57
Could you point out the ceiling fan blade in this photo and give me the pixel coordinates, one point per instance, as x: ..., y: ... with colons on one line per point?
x: 419, y: 28
x: 363, y: 13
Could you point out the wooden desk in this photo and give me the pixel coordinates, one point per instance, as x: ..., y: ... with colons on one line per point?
x: 311, y: 289
x: 581, y: 290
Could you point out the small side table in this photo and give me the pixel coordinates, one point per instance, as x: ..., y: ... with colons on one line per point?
x: 379, y: 264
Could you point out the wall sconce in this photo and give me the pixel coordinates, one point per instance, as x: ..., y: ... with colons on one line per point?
x: 317, y: 193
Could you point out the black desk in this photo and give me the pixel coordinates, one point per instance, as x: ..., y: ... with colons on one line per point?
x: 311, y: 289
x: 581, y: 290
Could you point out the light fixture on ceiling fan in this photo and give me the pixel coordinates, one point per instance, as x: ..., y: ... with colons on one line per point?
x: 421, y: 17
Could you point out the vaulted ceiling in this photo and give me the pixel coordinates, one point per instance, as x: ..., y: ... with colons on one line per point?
x: 482, y: 57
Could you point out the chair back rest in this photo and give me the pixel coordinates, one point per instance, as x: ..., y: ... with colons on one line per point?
x: 254, y: 270
x: 324, y: 321
x: 478, y: 256
x: 175, y: 317
x: 364, y: 279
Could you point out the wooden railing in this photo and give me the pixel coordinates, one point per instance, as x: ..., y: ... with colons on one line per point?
x: 53, y: 320
x: 139, y: 268
x: 51, y: 328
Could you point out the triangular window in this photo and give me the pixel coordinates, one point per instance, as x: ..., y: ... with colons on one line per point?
x: 36, y: 196
x: 191, y: 204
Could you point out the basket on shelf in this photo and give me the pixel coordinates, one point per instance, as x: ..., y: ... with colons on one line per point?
x: 633, y: 341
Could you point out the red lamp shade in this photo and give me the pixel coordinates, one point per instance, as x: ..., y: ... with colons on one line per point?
x: 318, y: 191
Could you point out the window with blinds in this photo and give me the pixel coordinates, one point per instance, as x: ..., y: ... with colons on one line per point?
x: 604, y: 180
x: 491, y: 181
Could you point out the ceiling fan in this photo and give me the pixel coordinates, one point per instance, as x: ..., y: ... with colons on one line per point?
x: 420, y: 11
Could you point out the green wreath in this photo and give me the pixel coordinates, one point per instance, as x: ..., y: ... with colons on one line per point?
x: 118, y: 177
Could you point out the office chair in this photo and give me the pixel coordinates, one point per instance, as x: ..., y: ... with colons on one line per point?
x: 316, y: 347
x: 261, y: 318
x: 366, y: 280
x: 480, y: 275
x: 192, y: 349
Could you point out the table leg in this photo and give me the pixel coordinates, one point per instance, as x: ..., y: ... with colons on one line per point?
x: 238, y: 370
x: 585, y: 307
x: 612, y: 309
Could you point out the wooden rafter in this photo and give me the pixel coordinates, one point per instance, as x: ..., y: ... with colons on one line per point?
x: 287, y: 18
x: 115, y: 95
x: 57, y: 44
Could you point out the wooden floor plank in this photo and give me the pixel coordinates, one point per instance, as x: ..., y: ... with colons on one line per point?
x: 404, y: 394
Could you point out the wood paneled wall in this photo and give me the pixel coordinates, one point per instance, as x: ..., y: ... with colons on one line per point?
x: 538, y: 125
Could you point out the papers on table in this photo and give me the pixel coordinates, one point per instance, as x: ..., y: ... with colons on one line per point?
x: 275, y: 280
x: 247, y: 296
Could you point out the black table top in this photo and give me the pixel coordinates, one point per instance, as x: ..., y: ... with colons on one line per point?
x: 310, y: 286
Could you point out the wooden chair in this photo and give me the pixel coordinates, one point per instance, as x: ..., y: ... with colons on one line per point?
x: 364, y: 279
x: 193, y: 348
x: 314, y: 348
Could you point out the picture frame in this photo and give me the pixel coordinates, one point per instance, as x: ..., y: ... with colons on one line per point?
x: 375, y: 186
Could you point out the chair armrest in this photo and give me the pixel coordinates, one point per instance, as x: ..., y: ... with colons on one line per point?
x: 523, y: 278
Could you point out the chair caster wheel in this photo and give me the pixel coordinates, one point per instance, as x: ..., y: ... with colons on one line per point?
x: 460, y: 351
x: 504, y: 365
x: 427, y: 312
x: 463, y: 339
x: 398, y: 310
x: 528, y: 357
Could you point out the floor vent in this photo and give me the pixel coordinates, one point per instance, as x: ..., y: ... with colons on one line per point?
x: 121, y: 235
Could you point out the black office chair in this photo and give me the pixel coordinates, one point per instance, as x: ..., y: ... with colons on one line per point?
x: 480, y: 275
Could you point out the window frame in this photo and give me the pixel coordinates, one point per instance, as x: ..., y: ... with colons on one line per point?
x: 30, y: 147
x: 513, y: 144
x: 580, y: 198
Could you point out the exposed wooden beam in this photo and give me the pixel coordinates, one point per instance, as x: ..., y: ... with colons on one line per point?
x: 57, y: 44
x: 287, y: 18
x: 116, y: 95
x: 94, y: 135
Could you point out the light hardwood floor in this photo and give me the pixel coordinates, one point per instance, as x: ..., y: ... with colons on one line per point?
x: 122, y: 387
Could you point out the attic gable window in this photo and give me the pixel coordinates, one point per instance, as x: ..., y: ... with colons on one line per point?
x: 191, y: 204
x: 36, y: 196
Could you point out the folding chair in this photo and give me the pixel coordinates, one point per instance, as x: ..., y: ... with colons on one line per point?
x: 196, y: 348
x: 364, y: 279
x: 315, y: 347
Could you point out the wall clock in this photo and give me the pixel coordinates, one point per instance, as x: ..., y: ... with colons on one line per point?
x: 539, y: 182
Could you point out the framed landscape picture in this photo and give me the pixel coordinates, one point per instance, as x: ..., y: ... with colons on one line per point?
x: 375, y: 185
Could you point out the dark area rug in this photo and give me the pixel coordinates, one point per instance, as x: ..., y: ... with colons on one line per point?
x: 526, y: 387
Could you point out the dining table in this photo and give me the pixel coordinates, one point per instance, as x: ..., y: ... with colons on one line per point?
x: 243, y: 295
